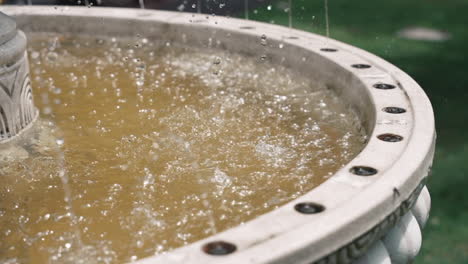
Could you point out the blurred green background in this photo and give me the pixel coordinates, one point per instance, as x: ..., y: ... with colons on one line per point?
x: 440, y: 67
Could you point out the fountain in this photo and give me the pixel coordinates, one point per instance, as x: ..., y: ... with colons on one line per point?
x: 369, y: 211
x: 16, y: 102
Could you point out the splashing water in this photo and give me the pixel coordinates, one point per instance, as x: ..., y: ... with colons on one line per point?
x: 75, y: 240
x: 142, y: 4
x: 159, y: 146
x: 199, y: 6
x: 246, y: 9
x: 327, y: 21
x: 290, y: 14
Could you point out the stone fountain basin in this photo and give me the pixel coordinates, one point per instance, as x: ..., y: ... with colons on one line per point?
x: 359, y: 210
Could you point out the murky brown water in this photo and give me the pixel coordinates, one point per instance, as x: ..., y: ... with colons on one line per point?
x: 143, y: 148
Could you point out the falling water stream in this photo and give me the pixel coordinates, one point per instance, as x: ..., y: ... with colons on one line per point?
x: 142, y: 3
x: 199, y: 6
x: 290, y: 14
x: 246, y: 9
x: 68, y: 198
x: 327, y: 21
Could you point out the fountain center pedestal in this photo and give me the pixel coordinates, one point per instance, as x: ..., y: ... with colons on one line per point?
x: 17, y: 111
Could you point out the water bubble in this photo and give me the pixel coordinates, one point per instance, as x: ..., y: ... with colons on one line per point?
x: 140, y: 244
x: 140, y: 82
x: 47, y: 110
x: 181, y: 7
x: 52, y: 56
x: 46, y: 217
x: 35, y: 55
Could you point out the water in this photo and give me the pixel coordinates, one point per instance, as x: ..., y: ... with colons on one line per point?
x: 143, y: 147
x: 246, y: 9
x: 290, y: 14
x: 68, y: 198
x: 199, y: 6
x: 327, y: 20
x: 142, y: 3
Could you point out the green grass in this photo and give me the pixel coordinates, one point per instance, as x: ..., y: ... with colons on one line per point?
x: 440, y: 68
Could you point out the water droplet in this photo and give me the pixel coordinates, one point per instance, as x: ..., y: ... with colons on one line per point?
x: 140, y: 82
x: 34, y: 55
x: 139, y: 244
x: 47, y: 110
x: 52, y: 56
x: 59, y: 142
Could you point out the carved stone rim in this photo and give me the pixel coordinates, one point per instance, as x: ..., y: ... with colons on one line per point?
x: 354, y: 204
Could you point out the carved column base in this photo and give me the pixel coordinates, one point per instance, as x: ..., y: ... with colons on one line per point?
x: 17, y: 111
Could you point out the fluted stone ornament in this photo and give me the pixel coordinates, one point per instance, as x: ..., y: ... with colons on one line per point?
x: 17, y: 111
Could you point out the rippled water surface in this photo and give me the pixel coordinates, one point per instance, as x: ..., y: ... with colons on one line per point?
x: 143, y: 147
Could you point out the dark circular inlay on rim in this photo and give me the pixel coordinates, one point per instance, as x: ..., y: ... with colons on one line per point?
x: 219, y: 248
x: 309, y: 208
x: 329, y: 50
x: 390, y: 137
x: 394, y: 110
x: 361, y: 66
x: 363, y: 171
x: 384, y: 86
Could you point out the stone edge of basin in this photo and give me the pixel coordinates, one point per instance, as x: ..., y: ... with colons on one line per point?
x: 340, y: 220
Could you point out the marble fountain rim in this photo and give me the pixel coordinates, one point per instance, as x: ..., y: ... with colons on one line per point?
x: 342, y: 217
